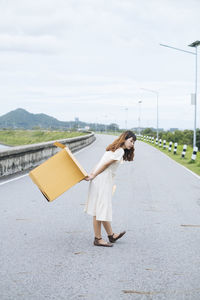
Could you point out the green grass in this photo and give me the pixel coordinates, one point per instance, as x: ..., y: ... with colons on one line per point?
x: 24, y: 137
x: 194, y: 166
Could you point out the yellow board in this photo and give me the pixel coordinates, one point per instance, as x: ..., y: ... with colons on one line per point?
x: 58, y: 173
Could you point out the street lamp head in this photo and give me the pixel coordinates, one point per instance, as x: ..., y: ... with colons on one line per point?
x: 194, y: 44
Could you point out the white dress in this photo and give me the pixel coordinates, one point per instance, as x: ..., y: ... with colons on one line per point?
x: 99, y: 202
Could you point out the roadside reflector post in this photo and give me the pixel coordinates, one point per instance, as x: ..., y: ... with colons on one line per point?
x: 175, y: 147
x: 170, y: 146
x: 194, y: 154
x: 184, y: 151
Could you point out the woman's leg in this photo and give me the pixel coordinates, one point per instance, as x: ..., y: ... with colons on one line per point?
x: 107, y: 227
x: 97, y: 227
x: 97, y: 230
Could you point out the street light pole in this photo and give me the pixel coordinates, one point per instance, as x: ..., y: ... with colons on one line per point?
x: 155, y: 92
x: 194, y: 44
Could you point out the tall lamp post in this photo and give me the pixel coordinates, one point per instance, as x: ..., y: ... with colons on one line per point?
x: 194, y: 45
x: 155, y: 92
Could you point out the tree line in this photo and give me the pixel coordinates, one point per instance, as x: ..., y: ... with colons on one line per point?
x: 178, y: 136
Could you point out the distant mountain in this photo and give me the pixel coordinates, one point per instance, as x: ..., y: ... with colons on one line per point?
x: 22, y: 119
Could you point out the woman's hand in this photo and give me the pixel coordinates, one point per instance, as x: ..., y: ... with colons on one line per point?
x: 100, y: 170
x: 90, y: 177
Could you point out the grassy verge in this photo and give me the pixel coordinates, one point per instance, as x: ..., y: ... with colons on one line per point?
x: 24, y: 137
x: 186, y: 162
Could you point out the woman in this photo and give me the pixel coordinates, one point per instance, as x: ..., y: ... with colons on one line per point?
x: 99, y: 202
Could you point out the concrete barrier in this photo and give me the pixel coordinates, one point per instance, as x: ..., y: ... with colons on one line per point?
x: 17, y: 159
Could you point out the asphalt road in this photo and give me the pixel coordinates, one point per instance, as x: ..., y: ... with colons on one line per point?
x: 47, y: 251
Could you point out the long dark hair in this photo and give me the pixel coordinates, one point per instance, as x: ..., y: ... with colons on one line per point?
x: 119, y: 142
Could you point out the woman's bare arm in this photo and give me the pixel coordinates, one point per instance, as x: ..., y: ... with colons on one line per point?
x: 100, y: 170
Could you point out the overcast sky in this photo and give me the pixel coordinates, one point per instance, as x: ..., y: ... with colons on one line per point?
x: 90, y: 58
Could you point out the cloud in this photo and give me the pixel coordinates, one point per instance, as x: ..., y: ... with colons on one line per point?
x: 30, y: 44
x: 81, y: 57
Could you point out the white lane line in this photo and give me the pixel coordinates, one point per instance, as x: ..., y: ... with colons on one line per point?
x: 197, y: 176
x: 2, y: 183
x: 7, y: 181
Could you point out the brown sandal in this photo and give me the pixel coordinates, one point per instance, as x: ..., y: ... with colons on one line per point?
x: 113, y: 240
x: 96, y: 243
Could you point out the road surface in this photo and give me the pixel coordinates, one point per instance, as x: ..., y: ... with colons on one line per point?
x: 47, y: 249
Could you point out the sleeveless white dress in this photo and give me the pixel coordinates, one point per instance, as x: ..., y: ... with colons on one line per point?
x: 99, y: 201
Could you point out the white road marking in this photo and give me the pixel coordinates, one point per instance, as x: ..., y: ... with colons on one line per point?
x: 197, y: 176
x: 2, y: 183
x: 19, y: 177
